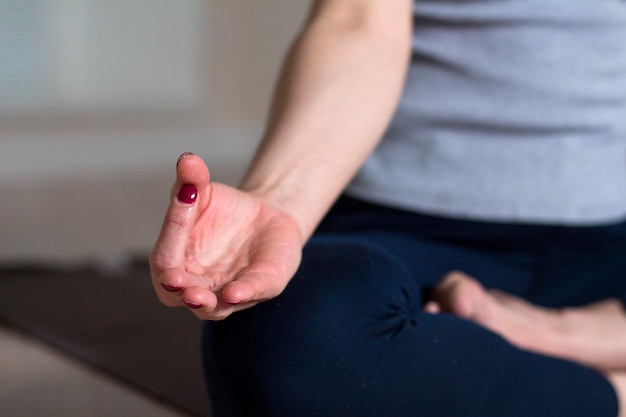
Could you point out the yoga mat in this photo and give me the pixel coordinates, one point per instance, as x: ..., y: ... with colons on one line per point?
x: 112, y: 321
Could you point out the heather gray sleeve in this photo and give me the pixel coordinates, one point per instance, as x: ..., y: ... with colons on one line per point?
x: 514, y: 110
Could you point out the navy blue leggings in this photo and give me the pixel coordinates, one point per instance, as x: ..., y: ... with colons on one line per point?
x: 348, y: 336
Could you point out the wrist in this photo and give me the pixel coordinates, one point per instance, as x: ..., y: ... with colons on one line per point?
x: 277, y: 197
x: 293, y: 201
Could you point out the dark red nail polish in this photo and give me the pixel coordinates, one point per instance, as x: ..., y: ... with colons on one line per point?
x: 183, y: 156
x: 191, y: 304
x: 170, y: 288
x: 188, y: 194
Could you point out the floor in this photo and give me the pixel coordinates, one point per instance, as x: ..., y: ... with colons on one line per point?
x: 36, y: 380
x: 90, y: 221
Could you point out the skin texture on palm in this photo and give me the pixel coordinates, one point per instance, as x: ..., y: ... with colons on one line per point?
x: 223, y: 252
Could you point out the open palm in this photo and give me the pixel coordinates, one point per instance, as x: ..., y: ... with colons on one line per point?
x: 224, y: 251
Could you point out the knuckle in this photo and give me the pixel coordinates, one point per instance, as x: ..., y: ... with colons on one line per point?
x: 160, y: 262
x: 156, y: 262
x: 178, y: 222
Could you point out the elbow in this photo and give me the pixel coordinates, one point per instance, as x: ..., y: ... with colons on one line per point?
x: 388, y: 23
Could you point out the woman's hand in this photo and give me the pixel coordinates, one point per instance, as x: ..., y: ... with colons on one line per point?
x: 220, y: 249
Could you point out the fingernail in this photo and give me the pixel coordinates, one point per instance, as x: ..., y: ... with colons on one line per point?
x: 188, y: 194
x: 232, y: 303
x: 183, y: 156
x: 191, y: 304
x: 170, y: 288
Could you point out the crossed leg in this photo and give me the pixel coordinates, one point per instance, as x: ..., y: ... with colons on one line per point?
x: 593, y: 335
x: 348, y: 337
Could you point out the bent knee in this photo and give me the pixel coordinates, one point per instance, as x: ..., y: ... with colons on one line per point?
x: 347, y: 295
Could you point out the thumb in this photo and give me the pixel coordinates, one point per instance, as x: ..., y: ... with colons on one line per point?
x: 190, y: 169
x: 190, y: 193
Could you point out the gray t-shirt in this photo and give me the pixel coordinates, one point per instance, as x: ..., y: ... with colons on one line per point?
x: 514, y: 110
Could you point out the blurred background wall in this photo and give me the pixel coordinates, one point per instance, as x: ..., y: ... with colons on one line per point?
x: 99, y: 97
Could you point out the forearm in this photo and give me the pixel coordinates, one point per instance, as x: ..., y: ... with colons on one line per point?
x: 339, y: 87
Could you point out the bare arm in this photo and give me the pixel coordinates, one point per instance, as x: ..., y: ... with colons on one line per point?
x: 339, y: 87
x: 223, y: 249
